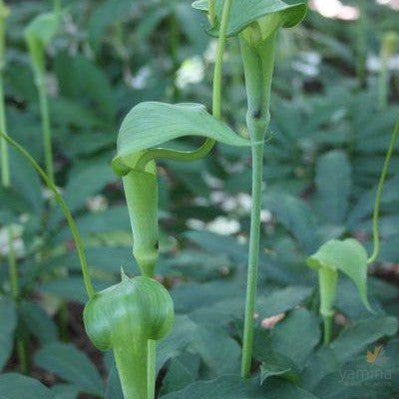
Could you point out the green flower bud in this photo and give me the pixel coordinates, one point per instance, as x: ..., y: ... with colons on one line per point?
x: 124, y: 318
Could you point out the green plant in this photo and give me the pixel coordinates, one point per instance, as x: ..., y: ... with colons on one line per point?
x: 38, y: 35
x: 348, y: 256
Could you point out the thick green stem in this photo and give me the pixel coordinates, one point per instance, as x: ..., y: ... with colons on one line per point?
x: 328, y: 279
x: 45, y: 116
x: 253, y: 261
x: 151, y: 368
x: 132, y: 364
x: 258, y: 67
x: 376, y: 213
x: 65, y: 210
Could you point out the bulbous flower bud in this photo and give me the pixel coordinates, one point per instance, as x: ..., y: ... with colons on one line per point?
x: 124, y: 318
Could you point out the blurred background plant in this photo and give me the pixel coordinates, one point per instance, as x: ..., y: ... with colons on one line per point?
x: 335, y: 102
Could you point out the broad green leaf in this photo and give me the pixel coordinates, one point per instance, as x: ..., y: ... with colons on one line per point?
x: 356, y: 338
x: 243, y: 14
x: 38, y: 322
x: 233, y: 387
x: 69, y: 288
x: 16, y: 386
x: 114, y: 389
x: 296, y: 216
x: 150, y: 124
x: 347, y: 256
x: 277, y: 365
x: 71, y: 365
x: 65, y: 391
x: 333, y: 182
x: 182, y: 371
x: 8, y: 323
x: 284, y: 339
x: 220, y: 353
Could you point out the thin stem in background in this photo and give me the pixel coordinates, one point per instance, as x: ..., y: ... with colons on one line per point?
x: 376, y: 234
x: 45, y: 116
x: 174, y: 36
x: 65, y: 210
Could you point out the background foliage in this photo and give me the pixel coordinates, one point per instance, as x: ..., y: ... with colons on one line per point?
x: 323, y: 158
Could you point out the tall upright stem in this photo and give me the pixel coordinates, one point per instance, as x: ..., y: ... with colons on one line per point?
x: 258, y: 62
x: 45, y: 116
x: 253, y: 260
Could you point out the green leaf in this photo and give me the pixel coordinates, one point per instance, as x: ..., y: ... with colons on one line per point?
x: 150, y: 124
x: 65, y: 391
x: 233, y: 387
x: 284, y: 339
x: 71, y: 365
x: 16, y: 386
x: 8, y: 323
x: 296, y: 216
x: 333, y: 182
x: 243, y: 14
x: 38, y: 322
x: 347, y: 256
x: 355, y: 339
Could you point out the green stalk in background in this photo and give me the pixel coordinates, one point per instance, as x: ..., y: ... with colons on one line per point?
x: 361, y: 44
x: 174, y: 38
x: 6, y: 182
x: 38, y: 35
x: 5, y: 166
x: 388, y: 49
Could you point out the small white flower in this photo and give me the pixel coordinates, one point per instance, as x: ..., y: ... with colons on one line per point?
x: 190, y: 72
x: 97, y: 204
x: 140, y: 80
x: 210, y: 52
x: 195, y: 224
x: 18, y: 244
x: 224, y: 226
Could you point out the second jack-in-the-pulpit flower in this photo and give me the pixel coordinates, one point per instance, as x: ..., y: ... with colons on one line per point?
x: 124, y: 318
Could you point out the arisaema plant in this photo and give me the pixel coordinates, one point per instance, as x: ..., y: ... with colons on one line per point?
x: 256, y: 23
x: 349, y: 257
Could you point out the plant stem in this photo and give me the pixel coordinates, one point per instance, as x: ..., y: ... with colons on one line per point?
x: 361, y: 46
x: 258, y: 67
x: 174, y: 52
x: 45, y: 116
x: 327, y: 320
x: 376, y: 213
x: 22, y: 353
x: 253, y: 261
x: 12, y: 264
x: 5, y: 163
x: 212, y: 13
x: 151, y: 368
x: 65, y: 210
x: 132, y: 364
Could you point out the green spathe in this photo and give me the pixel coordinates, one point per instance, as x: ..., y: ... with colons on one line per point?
x: 124, y: 318
x: 150, y: 124
x: 269, y: 14
x: 347, y: 256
